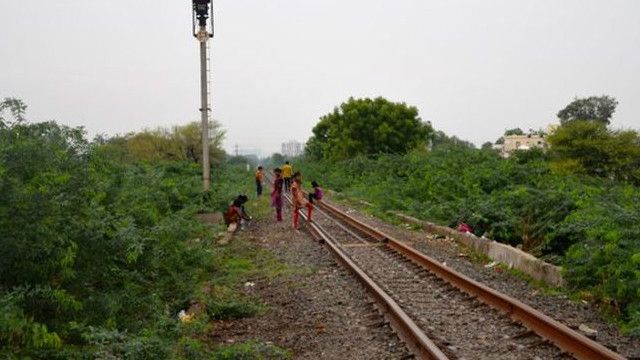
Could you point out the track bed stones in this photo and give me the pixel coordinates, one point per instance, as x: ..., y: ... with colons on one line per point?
x: 318, y: 311
x: 571, y: 313
x: 456, y: 322
x: 381, y: 270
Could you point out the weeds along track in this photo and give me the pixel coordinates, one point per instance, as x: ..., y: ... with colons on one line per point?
x: 441, y: 314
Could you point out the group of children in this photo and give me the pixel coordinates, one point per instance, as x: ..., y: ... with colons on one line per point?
x: 285, y: 181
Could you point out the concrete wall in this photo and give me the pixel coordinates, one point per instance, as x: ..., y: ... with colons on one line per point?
x: 514, y: 257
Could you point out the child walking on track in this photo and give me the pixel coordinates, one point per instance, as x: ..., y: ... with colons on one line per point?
x: 299, y: 201
x: 259, y: 179
x: 276, y: 193
x: 316, y: 195
x: 287, y: 172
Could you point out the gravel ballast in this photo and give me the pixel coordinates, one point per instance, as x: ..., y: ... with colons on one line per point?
x: 571, y: 313
x: 318, y: 311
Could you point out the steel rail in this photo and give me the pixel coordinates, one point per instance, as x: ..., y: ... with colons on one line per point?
x: 407, y: 330
x: 559, y: 334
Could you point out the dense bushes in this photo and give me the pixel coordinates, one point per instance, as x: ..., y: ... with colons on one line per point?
x: 589, y: 147
x: 588, y: 224
x: 97, y: 256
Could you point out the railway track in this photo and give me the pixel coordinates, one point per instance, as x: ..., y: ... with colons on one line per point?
x: 437, y: 312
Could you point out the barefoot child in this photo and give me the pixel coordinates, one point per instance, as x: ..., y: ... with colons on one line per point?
x: 299, y: 201
x: 287, y: 172
x: 259, y: 179
x: 316, y: 195
x: 236, y: 216
x: 276, y: 194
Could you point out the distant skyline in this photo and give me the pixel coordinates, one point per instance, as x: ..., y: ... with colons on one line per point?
x: 472, y: 68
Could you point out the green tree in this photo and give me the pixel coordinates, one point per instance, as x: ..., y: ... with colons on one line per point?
x: 487, y: 146
x: 189, y: 141
x: 515, y: 131
x: 588, y: 147
x: 181, y: 143
x: 593, y: 108
x: 366, y: 127
x: 440, y: 139
x: 277, y: 159
x: 17, y: 109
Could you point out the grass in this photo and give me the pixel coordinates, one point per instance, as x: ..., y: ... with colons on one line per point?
x: 251, y: 350
x: 225, y: 297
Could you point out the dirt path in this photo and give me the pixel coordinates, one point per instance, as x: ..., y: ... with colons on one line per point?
x: 318, y: 310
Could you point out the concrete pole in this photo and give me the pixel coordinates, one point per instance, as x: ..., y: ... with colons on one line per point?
x: 204, y: 109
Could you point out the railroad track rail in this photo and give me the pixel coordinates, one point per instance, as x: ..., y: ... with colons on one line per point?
x: 437, y: 312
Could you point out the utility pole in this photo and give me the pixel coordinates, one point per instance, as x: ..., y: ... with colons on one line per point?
x: 203, y: 11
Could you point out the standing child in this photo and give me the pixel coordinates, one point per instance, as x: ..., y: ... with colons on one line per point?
x: 276, y: 194
x: 287, y: 172
x: 259, y: 179
x: 316, y: 195
x: 299, y: 201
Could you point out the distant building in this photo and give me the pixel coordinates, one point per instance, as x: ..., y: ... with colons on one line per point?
x: 292, y: 148
x: 521, y: 142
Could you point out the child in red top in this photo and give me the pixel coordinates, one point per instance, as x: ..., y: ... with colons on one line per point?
x: 236, y: 216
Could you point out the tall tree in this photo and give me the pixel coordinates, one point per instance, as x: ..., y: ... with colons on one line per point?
x: 590, y: 148
x: 178, y: 143
x: 368, y: 126
x: 17, y: 109
x: 593, y: 108
x: 516, y: 131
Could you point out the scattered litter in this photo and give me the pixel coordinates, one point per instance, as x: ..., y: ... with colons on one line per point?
x: 463, y: 255
x: 249, y: 284
x: 587, y: 330
x: 491, y: 265
x: 465, y: 228
x: 584, y: 328
x: 444, y: 263
x: 184, y: 317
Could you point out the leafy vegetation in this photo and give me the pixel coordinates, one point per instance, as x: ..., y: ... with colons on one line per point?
x: 251, y: 351
x: 368, y: 126
x: 589, y: 225
x: 578, y: 205
x: 179, y: 143
x: 593, y: 108
x: 588, y: 147
x: 98, y: 254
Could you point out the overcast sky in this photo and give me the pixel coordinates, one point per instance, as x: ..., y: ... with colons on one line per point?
x: 473, y: 68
